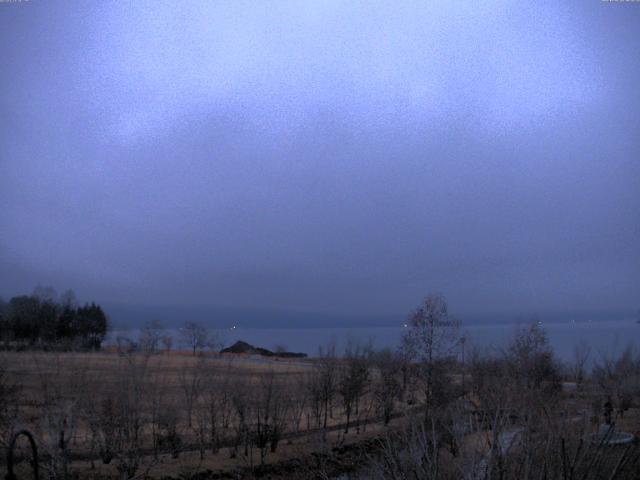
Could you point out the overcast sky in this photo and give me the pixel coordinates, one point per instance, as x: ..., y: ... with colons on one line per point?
x: 331, y: 157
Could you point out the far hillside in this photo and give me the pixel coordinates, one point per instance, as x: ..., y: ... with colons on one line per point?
x: 245, y: 348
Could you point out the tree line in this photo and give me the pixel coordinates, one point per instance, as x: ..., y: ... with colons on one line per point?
x: 44, y: 320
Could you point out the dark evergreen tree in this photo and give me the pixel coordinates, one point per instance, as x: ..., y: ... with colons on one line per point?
x: 38, y: 320
x: 48, y: 312
x: 4, y: 328
x: 92, y: 325
x: 66, y: 326
x: 23, y: 318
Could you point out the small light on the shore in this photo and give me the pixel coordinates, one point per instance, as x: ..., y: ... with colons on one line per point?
x: 405, y: 325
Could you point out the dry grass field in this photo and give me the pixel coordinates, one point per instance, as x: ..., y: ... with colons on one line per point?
x: 174, y: 414
x: 106, y: 415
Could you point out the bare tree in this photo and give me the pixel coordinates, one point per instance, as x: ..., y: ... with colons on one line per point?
x: 90, y: 412
x: 168, y: 428
x: 123, y: 418
x: 242, y: 408
x: 167, y: 343
x: 353, y: 378
x: 299, y: 401
x: 324, y: 381
x: 9, y: 391
x: 158, y: 403
x: 519, y: 440
x: 195, y: 335
x: 45, y: 294
x: 531, y: 359
x: 151, y: 335
x: 314, y: 394
x: 411, y: 453
x: 431, y: 339
x: 387, y: 387
x: 60, y: 382
x: 216, y: 407
x: 192, y: 384
x: 68, y: 299
x: 619, y: 377
x: 581, y: 354
x: 125, y: 345
x: 268, y: 414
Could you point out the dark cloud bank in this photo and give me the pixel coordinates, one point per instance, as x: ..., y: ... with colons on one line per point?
x: 322, y: 164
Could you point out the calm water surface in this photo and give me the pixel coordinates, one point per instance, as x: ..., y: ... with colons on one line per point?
x: 603, y: 337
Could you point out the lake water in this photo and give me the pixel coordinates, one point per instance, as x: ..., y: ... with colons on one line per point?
x: 603, y: 337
